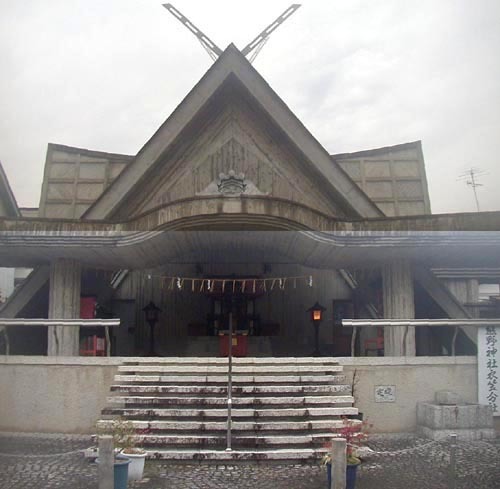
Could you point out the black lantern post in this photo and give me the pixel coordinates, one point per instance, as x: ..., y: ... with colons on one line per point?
x: 316, y: 317
x: 152, y: 313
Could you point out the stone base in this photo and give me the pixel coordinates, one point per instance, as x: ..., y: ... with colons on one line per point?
x: 475, y: 434
x: 458, y: 417
x: 470, y: 422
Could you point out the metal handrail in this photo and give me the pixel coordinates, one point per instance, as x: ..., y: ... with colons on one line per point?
x: 411, y: 323
x: 91, y: 323
x: 229, y: 382
x: 82, y: 323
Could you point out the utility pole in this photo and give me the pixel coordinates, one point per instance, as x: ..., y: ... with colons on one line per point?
x: 471, y: 178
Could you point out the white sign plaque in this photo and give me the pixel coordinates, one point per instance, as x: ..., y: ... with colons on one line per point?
x: 385, y: 393
x: 488, y: 360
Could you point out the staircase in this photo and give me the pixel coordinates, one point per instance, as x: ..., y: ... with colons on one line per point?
x: 282, y: 409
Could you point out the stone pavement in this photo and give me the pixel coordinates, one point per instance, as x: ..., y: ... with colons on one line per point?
x: 30, y: 461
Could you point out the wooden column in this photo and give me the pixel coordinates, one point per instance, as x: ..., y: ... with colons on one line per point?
x: 399, y: 303
x: 64, y: 303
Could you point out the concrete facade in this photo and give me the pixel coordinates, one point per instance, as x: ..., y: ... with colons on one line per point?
x: 67, y: 394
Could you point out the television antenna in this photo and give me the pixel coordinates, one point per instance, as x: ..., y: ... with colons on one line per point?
x: 252, y: 49
x: 471, y: 178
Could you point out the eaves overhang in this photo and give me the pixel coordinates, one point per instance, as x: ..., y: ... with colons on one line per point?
x: 322, y: 250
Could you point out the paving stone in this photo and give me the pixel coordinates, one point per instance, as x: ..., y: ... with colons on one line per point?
x: 29, y: 461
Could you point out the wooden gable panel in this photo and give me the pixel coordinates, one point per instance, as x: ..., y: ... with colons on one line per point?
x: 236, y: 138
x: 231, y: 72
x: 75, y: 178
x: 393, y: 177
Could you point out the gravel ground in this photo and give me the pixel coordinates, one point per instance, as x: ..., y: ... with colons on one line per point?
x: 30, y: 461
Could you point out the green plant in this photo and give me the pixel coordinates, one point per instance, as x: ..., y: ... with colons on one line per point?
x: 124, y: 435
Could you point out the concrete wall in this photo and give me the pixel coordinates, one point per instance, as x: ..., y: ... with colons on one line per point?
x: 415, y: 379
x: 41, y: 394
x: 53, y: 394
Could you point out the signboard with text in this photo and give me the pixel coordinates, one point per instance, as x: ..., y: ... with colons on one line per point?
x: 488, y: 359
x: 385, y: 393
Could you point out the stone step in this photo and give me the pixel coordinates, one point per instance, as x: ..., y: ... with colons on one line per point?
x: 195, y: 440
x: 223, y: 379
x: 237, y: 390
x: 253, y: 426
x: 262, y: 454
x: 180, y: 414
x: 208, y: 402
x: 236, y: 361
x: 283, y: 409
x: 237, y: 369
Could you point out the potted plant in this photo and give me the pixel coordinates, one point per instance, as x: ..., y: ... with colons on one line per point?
x: 124, y: 439
x: 354, y: 432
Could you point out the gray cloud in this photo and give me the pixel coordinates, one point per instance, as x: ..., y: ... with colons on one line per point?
x: 359, y: 74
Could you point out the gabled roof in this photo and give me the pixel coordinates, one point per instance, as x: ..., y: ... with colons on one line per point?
x: 393, y: 177
x: 233, y: 64
x: 9, y: 207
x: 75, y: 177
x: 380, y: 151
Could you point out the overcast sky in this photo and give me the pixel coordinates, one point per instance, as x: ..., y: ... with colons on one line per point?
x: 360, y: 74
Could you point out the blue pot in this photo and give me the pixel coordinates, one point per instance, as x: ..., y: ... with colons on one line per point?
x: 121, y: 472
x: 351, y: 471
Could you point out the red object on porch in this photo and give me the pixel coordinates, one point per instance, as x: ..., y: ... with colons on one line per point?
x: 87, y: 307
x: 93, y: 346
x: 240, y: 345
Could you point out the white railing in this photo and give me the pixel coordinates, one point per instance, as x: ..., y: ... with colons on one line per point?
x: 411, y: 323
x: 82, y: 323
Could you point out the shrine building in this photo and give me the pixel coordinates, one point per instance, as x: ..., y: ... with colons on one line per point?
x: 233, y: 212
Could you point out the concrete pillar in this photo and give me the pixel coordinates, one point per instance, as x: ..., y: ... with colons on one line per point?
x: 466, y: 290
x: 339, y: 463
x: 64, y: 303
x: 399, y: 303
x: 106, y: 463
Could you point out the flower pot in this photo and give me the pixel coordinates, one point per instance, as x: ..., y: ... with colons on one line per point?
x: 351, y: 471
x: 136, y: 467
x: 120, y: 471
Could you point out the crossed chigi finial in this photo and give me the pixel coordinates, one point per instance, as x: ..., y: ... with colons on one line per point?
x: 253, y: 48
